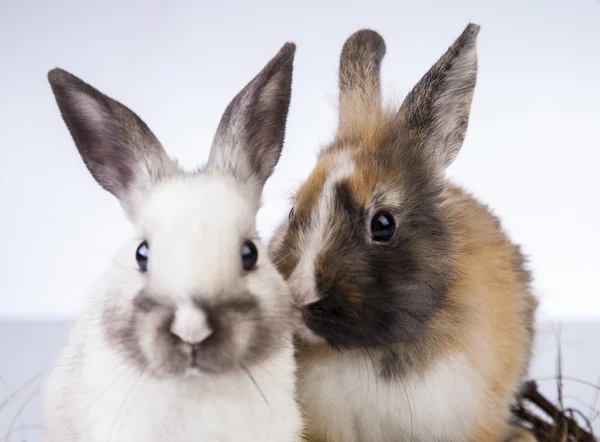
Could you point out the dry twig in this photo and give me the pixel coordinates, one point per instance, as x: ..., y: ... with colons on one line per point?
x: 561, y: 426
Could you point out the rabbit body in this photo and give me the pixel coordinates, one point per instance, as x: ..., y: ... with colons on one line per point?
x: 188, y: 337
x: 417, y: 308
x: 463, y: 389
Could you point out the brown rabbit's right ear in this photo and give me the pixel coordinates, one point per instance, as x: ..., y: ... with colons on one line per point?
x: 250, y: 136
x: 359, y: 82
x: 438, y: 107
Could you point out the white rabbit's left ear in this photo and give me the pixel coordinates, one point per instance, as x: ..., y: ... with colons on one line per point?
x: 250, y: 135
x: 119, y: 150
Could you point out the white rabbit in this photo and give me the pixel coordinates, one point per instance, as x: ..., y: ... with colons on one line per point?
x: 188, y: 336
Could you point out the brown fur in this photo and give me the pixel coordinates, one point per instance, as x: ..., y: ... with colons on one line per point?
x: 493, y: 287
x: 490, y: 299
x: 361, y: 59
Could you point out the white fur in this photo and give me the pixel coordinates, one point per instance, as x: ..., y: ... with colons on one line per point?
x: 302, y: 280
x: 106, y: 400
x: 195, y: 226
x: 440, y: 405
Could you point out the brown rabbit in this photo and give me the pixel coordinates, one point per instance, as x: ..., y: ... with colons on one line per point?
x: 417, y: 311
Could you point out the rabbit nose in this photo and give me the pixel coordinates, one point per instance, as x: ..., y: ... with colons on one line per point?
x: 190, y: 324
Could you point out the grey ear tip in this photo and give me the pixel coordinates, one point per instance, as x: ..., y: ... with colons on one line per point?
x: 289, y: 46
x: 472, y: 30
x: 366, y: 34
x: 287, y: 51
x: 56, y: 76
x: 366, y: 39
x: 60, y: 77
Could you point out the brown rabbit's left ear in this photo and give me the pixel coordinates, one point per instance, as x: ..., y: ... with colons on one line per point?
x: 438, y: 107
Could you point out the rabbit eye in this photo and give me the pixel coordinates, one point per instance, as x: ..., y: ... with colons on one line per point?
x: 249, y: 255
x: 383, y: 227
x: 291, y: 215
x: 141, y: 256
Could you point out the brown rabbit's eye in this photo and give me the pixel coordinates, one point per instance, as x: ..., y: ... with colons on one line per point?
x: 383, y: 227
x: 291, y: 215
x: 249, y: 255
x: 141, y: 256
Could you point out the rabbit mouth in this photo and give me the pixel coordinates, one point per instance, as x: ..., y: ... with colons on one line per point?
x: 197, y: 365
x: 205, y: 363
x: 302, y: 333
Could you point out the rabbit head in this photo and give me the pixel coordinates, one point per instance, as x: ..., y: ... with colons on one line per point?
x: 194, y: 291
x: 366, y: 249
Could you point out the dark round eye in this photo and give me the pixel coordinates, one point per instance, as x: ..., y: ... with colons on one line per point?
x: 383, y: 226
x: 141, y: 256
x: 291, y: 215
x: 249, y: 255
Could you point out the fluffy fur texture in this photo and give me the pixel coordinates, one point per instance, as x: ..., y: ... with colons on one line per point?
x: 197, y: 346
x: 425, y: 336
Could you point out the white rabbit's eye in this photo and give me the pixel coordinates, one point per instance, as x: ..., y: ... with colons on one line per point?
x: 383, y: 227
x: 141, y: 256
x: 249, y: 255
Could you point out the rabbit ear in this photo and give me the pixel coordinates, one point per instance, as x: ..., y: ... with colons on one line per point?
x: 438, y: 107
x: 359, y: 82
x: 251, y: 132
x: 117, y: 147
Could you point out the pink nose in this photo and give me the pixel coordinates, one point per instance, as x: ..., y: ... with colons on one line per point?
x: 190, y: 325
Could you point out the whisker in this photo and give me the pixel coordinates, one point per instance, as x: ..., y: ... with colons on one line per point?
x: 263, y: 318
x: 106, y: 388
x: 125, y: 398
x: 409, y: 407
x: 14, y: 394
x: 22, y: 429
x: 20, y: 410
x: 264, y: 399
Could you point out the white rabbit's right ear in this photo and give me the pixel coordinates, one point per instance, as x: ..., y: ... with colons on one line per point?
x: 117, y: 147
x: 251, y: 132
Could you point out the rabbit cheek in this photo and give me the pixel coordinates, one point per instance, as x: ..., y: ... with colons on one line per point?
x: 259, y: 335
x: 163, y: 354
x: 374, y: 295
x: 233, y: 330
x: 242, y: 335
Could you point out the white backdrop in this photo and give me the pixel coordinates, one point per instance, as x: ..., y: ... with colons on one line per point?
x: 532, y: 150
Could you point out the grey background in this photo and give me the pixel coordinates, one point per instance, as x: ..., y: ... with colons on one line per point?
x: 28, y: 349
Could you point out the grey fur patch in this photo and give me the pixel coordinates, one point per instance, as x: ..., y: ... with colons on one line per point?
x: 242, y: 334
x: 121, y: 331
